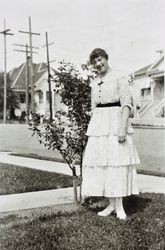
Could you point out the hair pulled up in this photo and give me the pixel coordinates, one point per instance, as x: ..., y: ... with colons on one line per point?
x: 96, y: 53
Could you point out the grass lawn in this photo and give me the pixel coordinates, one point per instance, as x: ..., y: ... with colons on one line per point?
x: 82, y: 229
x: 15, y: 179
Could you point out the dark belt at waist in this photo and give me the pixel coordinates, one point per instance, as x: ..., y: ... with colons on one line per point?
x: 104, y: 105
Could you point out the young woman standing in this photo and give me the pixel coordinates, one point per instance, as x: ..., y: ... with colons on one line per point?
x: 110, y: 155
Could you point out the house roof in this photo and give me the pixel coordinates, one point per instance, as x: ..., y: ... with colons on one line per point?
x: 18, y: 75
x: 149, y: 69
x: 142, y: 71
x: 40, y: 69
x: 153, y: 68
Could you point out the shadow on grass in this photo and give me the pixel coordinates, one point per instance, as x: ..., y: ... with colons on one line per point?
x: 132, y: 204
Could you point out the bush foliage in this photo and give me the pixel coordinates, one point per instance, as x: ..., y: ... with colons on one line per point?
x: 66, y: 132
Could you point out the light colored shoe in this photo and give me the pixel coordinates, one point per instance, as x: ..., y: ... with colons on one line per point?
x: 107, y: 211
x: 121, y: 215
x: 119, y: 209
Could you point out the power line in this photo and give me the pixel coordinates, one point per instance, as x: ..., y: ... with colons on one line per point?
x: 19, y: 50
x: 21, y: 45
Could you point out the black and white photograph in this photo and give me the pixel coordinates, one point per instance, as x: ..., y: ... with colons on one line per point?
x: 82, y: 125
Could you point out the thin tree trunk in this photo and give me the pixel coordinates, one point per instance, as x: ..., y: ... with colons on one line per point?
x: 75, y: 182
x: 81, y: 177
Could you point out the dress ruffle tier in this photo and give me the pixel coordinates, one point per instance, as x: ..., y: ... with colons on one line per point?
x: 108, y: 166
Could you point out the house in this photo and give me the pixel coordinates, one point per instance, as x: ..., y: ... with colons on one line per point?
x: 148, y: 89
x: 41, y: 90
x: 19, y: 80
x: 42, y: 95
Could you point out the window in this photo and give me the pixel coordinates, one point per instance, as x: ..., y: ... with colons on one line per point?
x: 145, y: 92
x: 22, y: 97
x: 40, y: 95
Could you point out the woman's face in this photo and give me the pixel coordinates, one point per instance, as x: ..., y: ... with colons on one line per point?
x: 101, y: 65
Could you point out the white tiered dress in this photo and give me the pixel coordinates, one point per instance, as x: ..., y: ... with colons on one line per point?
x: 109, y: 166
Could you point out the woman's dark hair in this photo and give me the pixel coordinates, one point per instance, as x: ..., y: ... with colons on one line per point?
x: 96, y: 53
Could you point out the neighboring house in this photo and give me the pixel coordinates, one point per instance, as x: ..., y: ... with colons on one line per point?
x: 18, y: 77
x: 41, y: 90
x: 149, y: 90
x: 42, y: 95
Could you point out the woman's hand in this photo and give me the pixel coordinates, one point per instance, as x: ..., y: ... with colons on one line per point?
x: 122, y: 135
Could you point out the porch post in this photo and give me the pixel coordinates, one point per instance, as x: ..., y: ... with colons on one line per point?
x: 152, y: 88
x: 152, y: 93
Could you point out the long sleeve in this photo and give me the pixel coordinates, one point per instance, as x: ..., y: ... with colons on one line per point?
x: 125, y: 95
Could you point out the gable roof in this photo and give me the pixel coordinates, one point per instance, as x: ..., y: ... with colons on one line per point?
x: 39, y: 70
x: 153, y: 68
x: 149, y: 69
x: 42, y: 82
x: 142, y: 71
x: 18, y: 75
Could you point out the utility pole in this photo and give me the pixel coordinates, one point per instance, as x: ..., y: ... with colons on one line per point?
x: 30, y: 33
x: 5, y: 32
x: 160, y: 51
x: 49, y: 80
x: 27, y: 85
x: 27, y: 74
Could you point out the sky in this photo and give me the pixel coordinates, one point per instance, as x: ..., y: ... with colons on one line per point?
x: 129, y: 30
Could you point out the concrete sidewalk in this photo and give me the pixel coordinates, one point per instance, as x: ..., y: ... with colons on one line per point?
x: 50, y: 166
x: 13, y: 202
